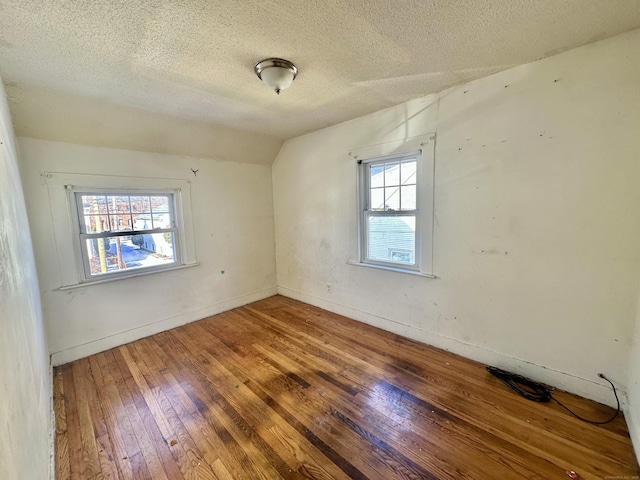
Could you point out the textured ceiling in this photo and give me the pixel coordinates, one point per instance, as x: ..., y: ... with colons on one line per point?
x: 194, y: 59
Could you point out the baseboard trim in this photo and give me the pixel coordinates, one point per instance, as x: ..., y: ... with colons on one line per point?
x: 584, y: 387
x: 633, y: 424
x: 105, y: 343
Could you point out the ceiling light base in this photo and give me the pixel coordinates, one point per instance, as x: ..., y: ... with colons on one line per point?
x: 277, y: 73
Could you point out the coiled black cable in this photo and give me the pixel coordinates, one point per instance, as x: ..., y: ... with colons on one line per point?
x: 537, y: 392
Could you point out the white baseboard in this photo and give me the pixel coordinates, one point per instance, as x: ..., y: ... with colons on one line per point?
x: 102, y: 344
x: 633, y: 424
x: 580, y: 386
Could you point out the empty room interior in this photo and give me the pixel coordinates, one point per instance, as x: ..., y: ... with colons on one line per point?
x: 347, y: 239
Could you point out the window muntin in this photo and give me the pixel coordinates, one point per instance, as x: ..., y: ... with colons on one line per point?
x: 123, y: 232
x: 390, y: 223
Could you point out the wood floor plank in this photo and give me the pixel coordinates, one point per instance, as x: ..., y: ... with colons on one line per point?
x: 221, y: 471
x: 279, y: 389
x: 204, y: 394
x: 113, y: 416
x: 292, y: 389
x: 232, y: 456
x: 148, y: 449
x: 140, y: 468
x: 516, y: 430
x: 401, y: 437
x: 279, y: 435
x: 333, y: 324
x: 62, y: 465
x: 409, y: 358
x: 387, y: 415
x: 83, y: 453
x: 154, y: 433
x: 83, y: 378
x: 229, y: 412
x: 59, y: 400
x: 194, y: 454
x: 107, y: 461
x: 164, y: 378
x: 317, y: 378
x: 178, y: 405
x: 120, y: 399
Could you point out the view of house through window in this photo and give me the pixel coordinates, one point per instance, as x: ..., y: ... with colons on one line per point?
x: 126, y: 232
x: 389, y: 198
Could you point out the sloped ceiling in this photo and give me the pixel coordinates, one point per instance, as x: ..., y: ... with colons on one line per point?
x: 192, y: 61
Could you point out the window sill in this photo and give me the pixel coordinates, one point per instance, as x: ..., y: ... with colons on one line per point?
x: 122, y: 277
x: 391, y: 269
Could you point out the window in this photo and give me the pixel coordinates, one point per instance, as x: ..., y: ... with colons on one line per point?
x: 390, y: 223
x: 113, y: 227
x: 121, y: 232
x: 395, y: 198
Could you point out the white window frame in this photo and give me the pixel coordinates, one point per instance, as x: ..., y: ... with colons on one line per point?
x: 367, y: 212
x: 423, y: 147
x: 69, y: 238
x: 81, y: 235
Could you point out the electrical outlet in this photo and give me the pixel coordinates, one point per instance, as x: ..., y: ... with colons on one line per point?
x: 328, y: 288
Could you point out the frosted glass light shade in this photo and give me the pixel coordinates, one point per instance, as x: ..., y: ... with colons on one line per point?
x: 277, y: 73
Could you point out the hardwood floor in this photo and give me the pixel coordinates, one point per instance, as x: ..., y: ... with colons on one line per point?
x: 281, y: 389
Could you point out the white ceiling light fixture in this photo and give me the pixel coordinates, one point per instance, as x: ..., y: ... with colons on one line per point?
x: 277, y: 73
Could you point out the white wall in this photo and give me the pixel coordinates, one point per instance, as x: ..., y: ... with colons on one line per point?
x: 632, y: 413
x: 536, y: 218
x: 50, y: 115
x: 25, y: 382
x: 233, y: 225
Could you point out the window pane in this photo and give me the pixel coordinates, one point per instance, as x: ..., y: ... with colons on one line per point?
x: 408, y: 172
x: 120, y: 223
x: 93, y: 204
x: 140, y: 204
x: 392, y: 174
x: 118, y: 204
x: 408, y: 197
x: 377, y: 199
x: 142, y: 222
x: 376, y: 176
x: 392, y: 239
x: 96, y: 223
x: 159, y: 204
x: 112, y: 254
x: 392, y: 198
x: 161, y: 220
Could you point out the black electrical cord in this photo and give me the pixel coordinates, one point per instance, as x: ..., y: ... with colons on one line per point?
x: 537, y: 392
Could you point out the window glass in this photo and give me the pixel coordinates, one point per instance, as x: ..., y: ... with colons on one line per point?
x: 408, y: 172
x: 377, y: 176
x: 140, y: 204
x: 389, y: 234
x: 126, y: 232
x: 392, y: 174
x: 389, y: 182
x: 408, y: 194
x: 112, y: 254
x: 160, y: 204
